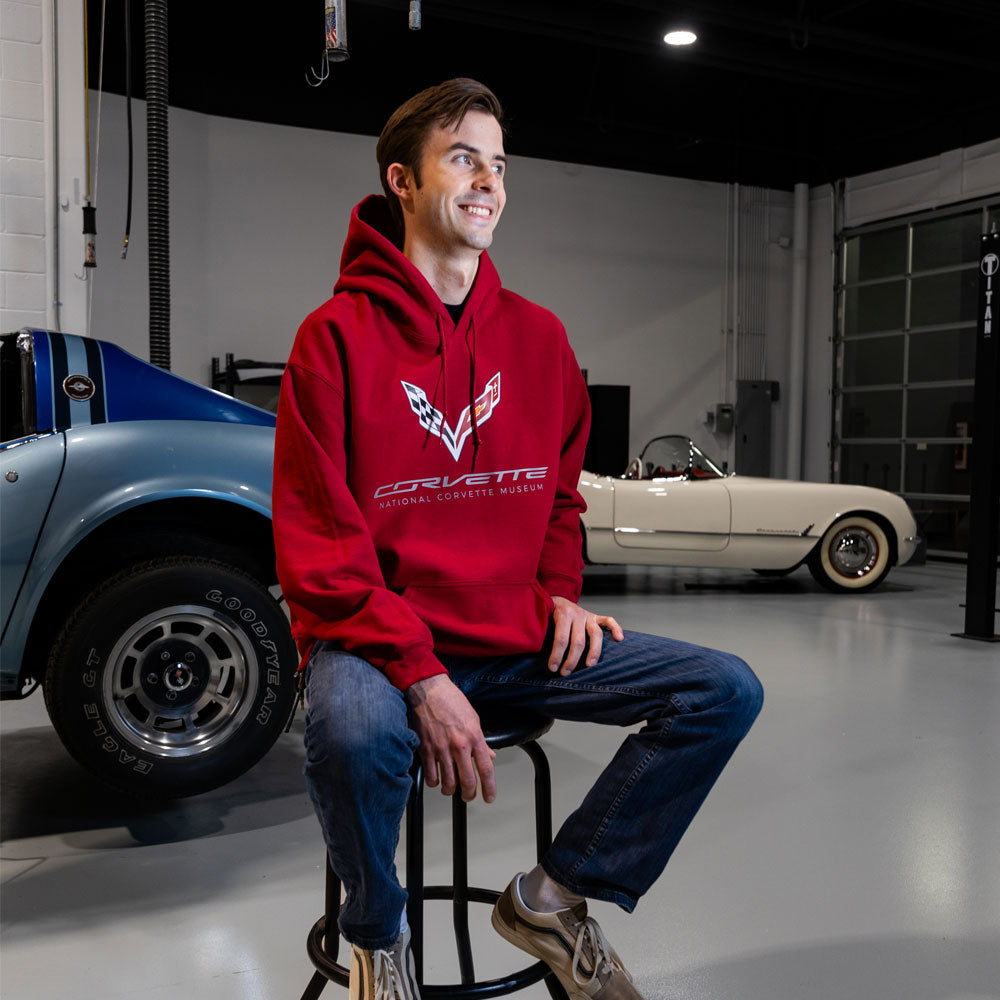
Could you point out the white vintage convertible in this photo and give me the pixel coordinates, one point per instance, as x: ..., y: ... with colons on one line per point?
x: 675, y: 507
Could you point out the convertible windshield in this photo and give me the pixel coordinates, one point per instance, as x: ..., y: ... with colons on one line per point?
x: 677, y: 457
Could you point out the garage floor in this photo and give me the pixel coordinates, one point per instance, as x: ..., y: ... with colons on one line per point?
x: 851, y: 851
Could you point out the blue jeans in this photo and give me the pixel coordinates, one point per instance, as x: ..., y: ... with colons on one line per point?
x: 696, y: 703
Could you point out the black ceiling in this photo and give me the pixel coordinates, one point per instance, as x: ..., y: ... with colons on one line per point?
x: 774, y: 92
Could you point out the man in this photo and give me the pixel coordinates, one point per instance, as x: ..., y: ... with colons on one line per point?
x: 430, y: 436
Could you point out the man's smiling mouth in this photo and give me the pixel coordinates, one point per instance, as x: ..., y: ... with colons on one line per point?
x: 478, y: 210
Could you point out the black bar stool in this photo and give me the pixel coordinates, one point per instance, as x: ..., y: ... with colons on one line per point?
x: 521, y: 731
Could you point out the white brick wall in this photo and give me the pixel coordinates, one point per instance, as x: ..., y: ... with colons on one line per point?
x: 22, y: 166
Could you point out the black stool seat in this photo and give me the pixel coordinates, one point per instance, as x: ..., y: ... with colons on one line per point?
x: 501, y: 731
x: 513, y: 730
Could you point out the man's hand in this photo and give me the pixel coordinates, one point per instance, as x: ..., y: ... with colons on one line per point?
x: 451, y: 739
x: 573, y: 627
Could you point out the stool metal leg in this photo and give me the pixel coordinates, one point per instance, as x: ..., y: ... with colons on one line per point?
x: 460, y: 886
x: 316, y: 986
x: 543, y: 797
x: 323, y: 941
x: 460, y: 893
x: 415, y: 867
x: 543, y: 830
x: 332, y: 903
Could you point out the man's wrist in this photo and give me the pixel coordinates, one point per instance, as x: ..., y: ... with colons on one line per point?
x: 418, y: 692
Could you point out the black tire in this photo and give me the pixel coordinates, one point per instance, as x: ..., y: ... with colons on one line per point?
x: 853, y: 556
x: 172, y: 677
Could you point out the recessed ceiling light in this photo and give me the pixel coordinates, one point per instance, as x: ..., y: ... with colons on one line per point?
x: 680, y: 38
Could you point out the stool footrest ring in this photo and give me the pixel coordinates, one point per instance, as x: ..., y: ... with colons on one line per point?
x: 472, y: 893
x: 481, y: 990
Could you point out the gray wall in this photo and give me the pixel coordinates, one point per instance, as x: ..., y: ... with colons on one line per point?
x: 633, y: 264
x: 637, y: 266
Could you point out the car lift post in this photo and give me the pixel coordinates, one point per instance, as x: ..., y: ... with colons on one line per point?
x: 984, y: 504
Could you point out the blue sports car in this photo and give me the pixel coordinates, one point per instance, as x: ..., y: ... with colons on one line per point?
x: 138, y: 581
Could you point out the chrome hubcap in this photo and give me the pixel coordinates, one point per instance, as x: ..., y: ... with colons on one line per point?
x: 854, y: 552
x: 181, y: 680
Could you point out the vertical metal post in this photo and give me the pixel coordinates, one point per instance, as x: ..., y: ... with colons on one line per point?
x: 984, y: 505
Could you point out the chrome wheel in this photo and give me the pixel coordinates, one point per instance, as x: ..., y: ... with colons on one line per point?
x: 173, y: 676
x: 853, y: 552
x: 181, y: 680
x: 853, y: 555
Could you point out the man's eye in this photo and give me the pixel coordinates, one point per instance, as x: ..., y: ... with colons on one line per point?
x: 463, y: 158
x: 498, y: 169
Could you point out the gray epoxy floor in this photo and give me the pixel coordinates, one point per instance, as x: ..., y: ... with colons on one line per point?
x: 851, y: 851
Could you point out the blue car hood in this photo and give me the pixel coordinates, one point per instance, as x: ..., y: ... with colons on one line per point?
x: 80, y: 381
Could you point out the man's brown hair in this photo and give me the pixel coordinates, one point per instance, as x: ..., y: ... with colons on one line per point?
x: 405, y: 134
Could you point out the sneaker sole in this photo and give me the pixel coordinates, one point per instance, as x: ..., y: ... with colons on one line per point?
x: 519, y: 941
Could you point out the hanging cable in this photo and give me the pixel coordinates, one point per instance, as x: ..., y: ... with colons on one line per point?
x: 86, y: 89
x: 128, y: 124
x: 89, y: 212
x: 90, y: 201
x: 100, y: 99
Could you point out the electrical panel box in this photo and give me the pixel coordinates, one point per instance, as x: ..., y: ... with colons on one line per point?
x: 723, y: 418
x: 754, y: 400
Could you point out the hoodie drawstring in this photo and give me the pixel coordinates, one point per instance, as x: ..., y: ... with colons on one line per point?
x: 441, y: 383
x: 472, y: 390
x: 441, y: 387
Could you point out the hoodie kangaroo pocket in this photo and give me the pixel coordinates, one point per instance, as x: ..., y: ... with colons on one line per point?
x: 480, y: 619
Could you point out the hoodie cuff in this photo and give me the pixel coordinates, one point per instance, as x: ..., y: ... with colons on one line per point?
x: 557, y: 585
x: 403, y: 673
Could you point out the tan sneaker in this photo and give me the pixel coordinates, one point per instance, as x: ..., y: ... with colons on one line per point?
x: 570, y: 943
x: 385, y: 973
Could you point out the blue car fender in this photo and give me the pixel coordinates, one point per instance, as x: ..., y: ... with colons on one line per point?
x: 112, y: 468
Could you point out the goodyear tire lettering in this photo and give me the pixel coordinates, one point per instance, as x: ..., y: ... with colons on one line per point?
x: 90, y: 661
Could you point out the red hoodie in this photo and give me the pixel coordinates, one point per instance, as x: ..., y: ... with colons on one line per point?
x: 425, y: 472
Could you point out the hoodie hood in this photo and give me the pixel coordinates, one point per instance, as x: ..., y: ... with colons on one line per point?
x: 372, y: 264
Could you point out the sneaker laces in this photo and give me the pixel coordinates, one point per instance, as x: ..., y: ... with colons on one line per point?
x: 591, y: 939
x: 388, y: 979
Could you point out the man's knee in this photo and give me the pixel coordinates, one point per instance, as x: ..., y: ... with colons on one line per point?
x: 355, y: 717
x: 740, y: 692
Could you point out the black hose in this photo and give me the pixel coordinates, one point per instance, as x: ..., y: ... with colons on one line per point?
x: 128, y: 126
x: 158, y: 174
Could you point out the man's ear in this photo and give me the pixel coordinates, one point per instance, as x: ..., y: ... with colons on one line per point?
x: 401, y: 183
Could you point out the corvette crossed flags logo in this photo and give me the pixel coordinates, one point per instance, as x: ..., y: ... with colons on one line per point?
x: 432, y: 419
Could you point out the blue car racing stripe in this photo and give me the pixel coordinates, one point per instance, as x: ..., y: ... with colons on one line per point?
x: 95, y: 369
x: 60, y: 369
x: 73, y: 357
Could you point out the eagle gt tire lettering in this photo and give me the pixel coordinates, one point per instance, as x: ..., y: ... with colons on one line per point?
x: 173, y: 677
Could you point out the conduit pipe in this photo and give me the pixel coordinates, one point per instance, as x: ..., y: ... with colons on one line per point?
x: 50, y: 59
x: 735, y: 294
x: 158, y: 180
x: 797, y: 338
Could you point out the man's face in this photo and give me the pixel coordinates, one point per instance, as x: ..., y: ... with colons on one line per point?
x: 461, y: 194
